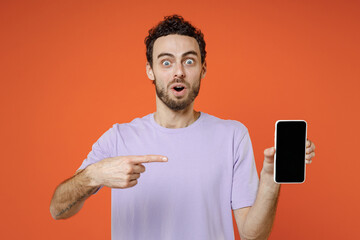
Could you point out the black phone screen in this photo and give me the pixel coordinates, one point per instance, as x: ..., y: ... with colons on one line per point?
x: 290, y: 151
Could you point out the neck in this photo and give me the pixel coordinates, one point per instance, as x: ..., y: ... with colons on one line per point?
x: 169, y: 118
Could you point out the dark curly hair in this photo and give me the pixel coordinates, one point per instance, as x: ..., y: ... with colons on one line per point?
x: 173, y: 24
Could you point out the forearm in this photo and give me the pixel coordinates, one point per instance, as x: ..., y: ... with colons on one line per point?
x: 260, y: 218
x: 70, y: 195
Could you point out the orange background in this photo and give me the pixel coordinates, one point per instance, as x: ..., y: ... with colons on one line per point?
x: 71, y: 69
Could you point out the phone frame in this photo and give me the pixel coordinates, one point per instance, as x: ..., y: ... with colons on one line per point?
x: 306, y: 126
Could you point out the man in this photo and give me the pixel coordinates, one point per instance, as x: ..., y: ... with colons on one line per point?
x: 199, y: 167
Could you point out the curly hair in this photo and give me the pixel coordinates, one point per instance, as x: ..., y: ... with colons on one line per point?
x: 173, y: 24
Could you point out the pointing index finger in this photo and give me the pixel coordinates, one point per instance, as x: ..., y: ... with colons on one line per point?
x: 148, y: 158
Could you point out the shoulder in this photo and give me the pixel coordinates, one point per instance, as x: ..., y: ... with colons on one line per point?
x: 226, y: 125
x: 137, y: 124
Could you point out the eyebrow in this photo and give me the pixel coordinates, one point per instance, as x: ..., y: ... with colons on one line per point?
x: 183, y: 55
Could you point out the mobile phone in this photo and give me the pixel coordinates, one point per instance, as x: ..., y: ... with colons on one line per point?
x: 290, y: 146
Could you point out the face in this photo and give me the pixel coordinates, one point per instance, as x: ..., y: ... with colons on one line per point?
x: 177, y: 70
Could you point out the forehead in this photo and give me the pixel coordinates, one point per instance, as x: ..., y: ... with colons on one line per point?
x: 175, y: 44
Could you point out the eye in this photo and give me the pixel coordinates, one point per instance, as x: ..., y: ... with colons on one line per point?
x: 189, y: 61
x: 166, y: 63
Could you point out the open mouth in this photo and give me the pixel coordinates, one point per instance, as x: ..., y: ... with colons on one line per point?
x: 178, y: 89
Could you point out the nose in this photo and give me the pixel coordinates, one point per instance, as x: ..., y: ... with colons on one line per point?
x: 179, y: 71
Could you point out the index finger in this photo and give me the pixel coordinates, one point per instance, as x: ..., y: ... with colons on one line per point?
x: 148, y: 158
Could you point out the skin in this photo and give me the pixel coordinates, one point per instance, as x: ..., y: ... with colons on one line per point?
x: 175, y: 59
x: 177, y: 50
x: 116, y: 172
x: 256, y: 222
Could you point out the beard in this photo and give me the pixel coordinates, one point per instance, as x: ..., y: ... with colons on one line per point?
x: 177, y: 104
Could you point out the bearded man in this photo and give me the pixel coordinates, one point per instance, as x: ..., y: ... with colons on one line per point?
x: 199, y: 167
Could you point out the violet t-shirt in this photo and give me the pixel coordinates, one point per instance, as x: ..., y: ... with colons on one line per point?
x: 210, y: 171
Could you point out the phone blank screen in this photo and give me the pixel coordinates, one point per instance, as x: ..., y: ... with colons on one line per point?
x: 290, y: 152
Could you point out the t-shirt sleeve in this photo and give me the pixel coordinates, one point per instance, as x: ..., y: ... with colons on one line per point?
x: 245, y: 177
x: 103, y: 148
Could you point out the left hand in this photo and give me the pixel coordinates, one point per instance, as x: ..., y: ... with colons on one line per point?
x: 268, y: 166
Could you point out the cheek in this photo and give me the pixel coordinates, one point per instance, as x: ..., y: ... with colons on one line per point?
x: 194, y: 75
x: 163, y: 76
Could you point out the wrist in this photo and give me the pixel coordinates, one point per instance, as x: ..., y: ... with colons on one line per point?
x: 90, y: 176
x: 267, y: 181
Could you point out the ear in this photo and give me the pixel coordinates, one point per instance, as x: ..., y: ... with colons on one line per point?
x: 149, y: 72
x: 203, y: 70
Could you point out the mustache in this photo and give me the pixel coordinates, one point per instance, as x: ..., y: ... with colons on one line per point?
x: 179, y: 80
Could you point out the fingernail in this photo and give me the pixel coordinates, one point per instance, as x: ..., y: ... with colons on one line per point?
x: 164, y: 159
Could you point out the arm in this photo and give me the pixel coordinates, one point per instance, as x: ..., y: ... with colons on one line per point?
x: 256, y: 222
x: 116, y: 172
x: 70, y: 195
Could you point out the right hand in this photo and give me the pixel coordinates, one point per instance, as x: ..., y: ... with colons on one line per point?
x: 121, y: 172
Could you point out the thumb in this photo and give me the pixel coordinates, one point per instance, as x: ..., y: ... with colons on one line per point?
x: 269, y: 154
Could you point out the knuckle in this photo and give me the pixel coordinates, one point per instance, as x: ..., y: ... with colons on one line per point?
x: 128, y: 169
